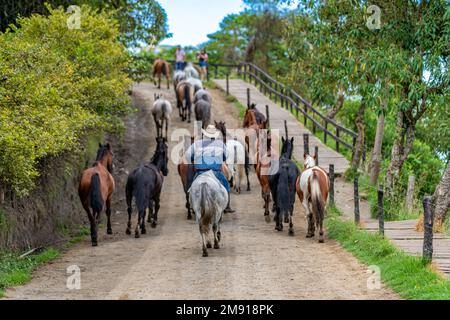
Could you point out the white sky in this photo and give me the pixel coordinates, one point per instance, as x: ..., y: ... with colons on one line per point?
x: 191, y: 21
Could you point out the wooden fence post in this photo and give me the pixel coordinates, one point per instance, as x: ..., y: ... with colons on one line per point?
x: 381, y: 210
x: 325, y: 135
x: 410, y: 194
x: 286, y: 130
x: 228, y: 84
x: 316, y: 153
x: 267, y: 116
x: 428, y: 223
x: 306, y: 143
x: 245, y: 72
x: 332, y: 177
x: 338, y: 135
x: 356, y: 193
x: 215, y: 72
x: 248, y: 97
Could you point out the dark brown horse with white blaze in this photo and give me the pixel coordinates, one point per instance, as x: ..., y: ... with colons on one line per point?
x: 96, y: 189
x: 160, y: 68
x: 312, y: 189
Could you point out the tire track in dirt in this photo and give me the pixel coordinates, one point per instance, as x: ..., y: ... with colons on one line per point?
x: 255, y: 261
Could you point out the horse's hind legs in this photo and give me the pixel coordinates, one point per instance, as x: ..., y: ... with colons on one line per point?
x: 155, y: 214
x: 216, y: 236
x: 321, y: 237
x: 291, y: 226
x: 108, y: 215
x: 311, y: 226
x: 204, y: 247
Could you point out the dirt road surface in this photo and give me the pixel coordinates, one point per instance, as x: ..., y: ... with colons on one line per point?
x: 255, y: 261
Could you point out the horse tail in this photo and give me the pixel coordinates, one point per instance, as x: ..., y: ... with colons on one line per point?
x: 96, y: 194
x: 139, y: 194
x: 207, y: 115
x: 164, y: 70
x: 187, y: 95
x: 164, y: 110
x: 318, y: 204
x: 207, y: 208
x: 283, y: 194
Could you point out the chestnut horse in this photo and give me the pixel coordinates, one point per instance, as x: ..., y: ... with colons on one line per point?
x: 260, y: 118
x: 263, y: 171
x: 185, y: 97
x: 186, y: 172
x: 160, y: 68
x: 96, y: 189
x: 312, y: 189
x: 251, y: 140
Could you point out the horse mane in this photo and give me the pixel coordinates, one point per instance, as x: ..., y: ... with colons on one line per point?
x: 101, y: 153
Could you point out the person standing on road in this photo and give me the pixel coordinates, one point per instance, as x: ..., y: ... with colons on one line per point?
x: 180, y: 55
x: 203, y: 62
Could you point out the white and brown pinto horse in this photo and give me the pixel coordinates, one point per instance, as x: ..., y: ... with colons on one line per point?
x: 312, y: 189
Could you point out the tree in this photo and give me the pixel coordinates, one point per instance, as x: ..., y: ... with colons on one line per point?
x: 141, y: 21
x: 441, y: 199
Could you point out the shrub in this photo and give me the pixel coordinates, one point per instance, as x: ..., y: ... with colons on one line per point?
x: 60, y: 83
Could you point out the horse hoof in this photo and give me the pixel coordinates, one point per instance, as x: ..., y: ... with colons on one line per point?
x: 94, y: 244
x: 216, y: 246
x: 205, y: 254
x: 291, y: 233
x: 137, y: 235
x: 128, y: 232
x: 189, y: 217
x: 286, y: 220
x: 143, y: 231
x: 309, y: 236
x: 209, y: 245
x: 154, y: 224
x: 268, y: 218
x: 321, y: 241
x: 110, y: 232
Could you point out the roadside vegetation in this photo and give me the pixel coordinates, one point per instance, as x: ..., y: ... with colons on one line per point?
x: 409, y: 276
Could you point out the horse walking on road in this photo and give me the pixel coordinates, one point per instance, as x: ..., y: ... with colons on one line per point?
x: 202, y: 94
x: 145, y: 185
x: 161, y: 112
x: 203, y: 112
x: 96, y: 188
x: 312, y: 189
x: 283, y: 187
x: 209, y: 199
x: 261, y: 120
x: 185, y: 96
x: 160, y: 68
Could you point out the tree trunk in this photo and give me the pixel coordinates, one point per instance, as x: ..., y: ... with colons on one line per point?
x: 359, y: 147
x: 250, y: 50
x: 441, y: 198
x: 400, y: 150
x: 375, y: 166
x: 338, y: 106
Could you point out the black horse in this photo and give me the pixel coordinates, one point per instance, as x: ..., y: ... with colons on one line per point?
x: 145, y: 184
x: 283, y: 187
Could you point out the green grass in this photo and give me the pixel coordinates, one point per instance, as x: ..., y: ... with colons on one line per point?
x: 15, y: 271
x: 409, y: 276
x: 82, y: 233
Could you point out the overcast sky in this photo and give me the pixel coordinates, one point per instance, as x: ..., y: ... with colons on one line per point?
x: 191, y: 21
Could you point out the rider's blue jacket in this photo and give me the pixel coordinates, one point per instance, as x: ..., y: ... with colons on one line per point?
x: 207, y: 155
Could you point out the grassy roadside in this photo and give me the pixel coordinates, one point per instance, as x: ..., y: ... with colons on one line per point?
x: 16, y: 271
x: 406, y: 275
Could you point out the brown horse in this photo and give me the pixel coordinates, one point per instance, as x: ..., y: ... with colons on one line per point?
x: 160, y: 68
x: 186, y: 172
x: 96, y: 189
x: 312, y: 189
x: 259, y: 117
x: 185, y: 97
x: 263, y: 168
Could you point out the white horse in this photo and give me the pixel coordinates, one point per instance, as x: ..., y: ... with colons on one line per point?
x: 202, y: 94
x: 196, y: 83
x: 312, y: 189
x: 191, y: 72
x: 161, y: 111
x: 236, y: 163
x: 208, y: 199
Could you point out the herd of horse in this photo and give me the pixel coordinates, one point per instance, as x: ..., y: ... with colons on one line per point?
x: 206, y: 198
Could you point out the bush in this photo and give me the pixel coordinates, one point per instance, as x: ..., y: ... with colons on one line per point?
x: 60, y: 83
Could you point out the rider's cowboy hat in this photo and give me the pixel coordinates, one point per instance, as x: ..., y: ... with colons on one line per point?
x: 211, y: 132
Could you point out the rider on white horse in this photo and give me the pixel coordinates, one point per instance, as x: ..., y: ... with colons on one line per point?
x: 209, y: 154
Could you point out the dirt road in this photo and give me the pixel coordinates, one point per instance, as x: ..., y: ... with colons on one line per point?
x: 255, y: 261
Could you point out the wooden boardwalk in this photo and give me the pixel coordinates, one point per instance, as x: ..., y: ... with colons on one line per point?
x: 404, y: 236
x: 401, y: 233
x: 327, y: 156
